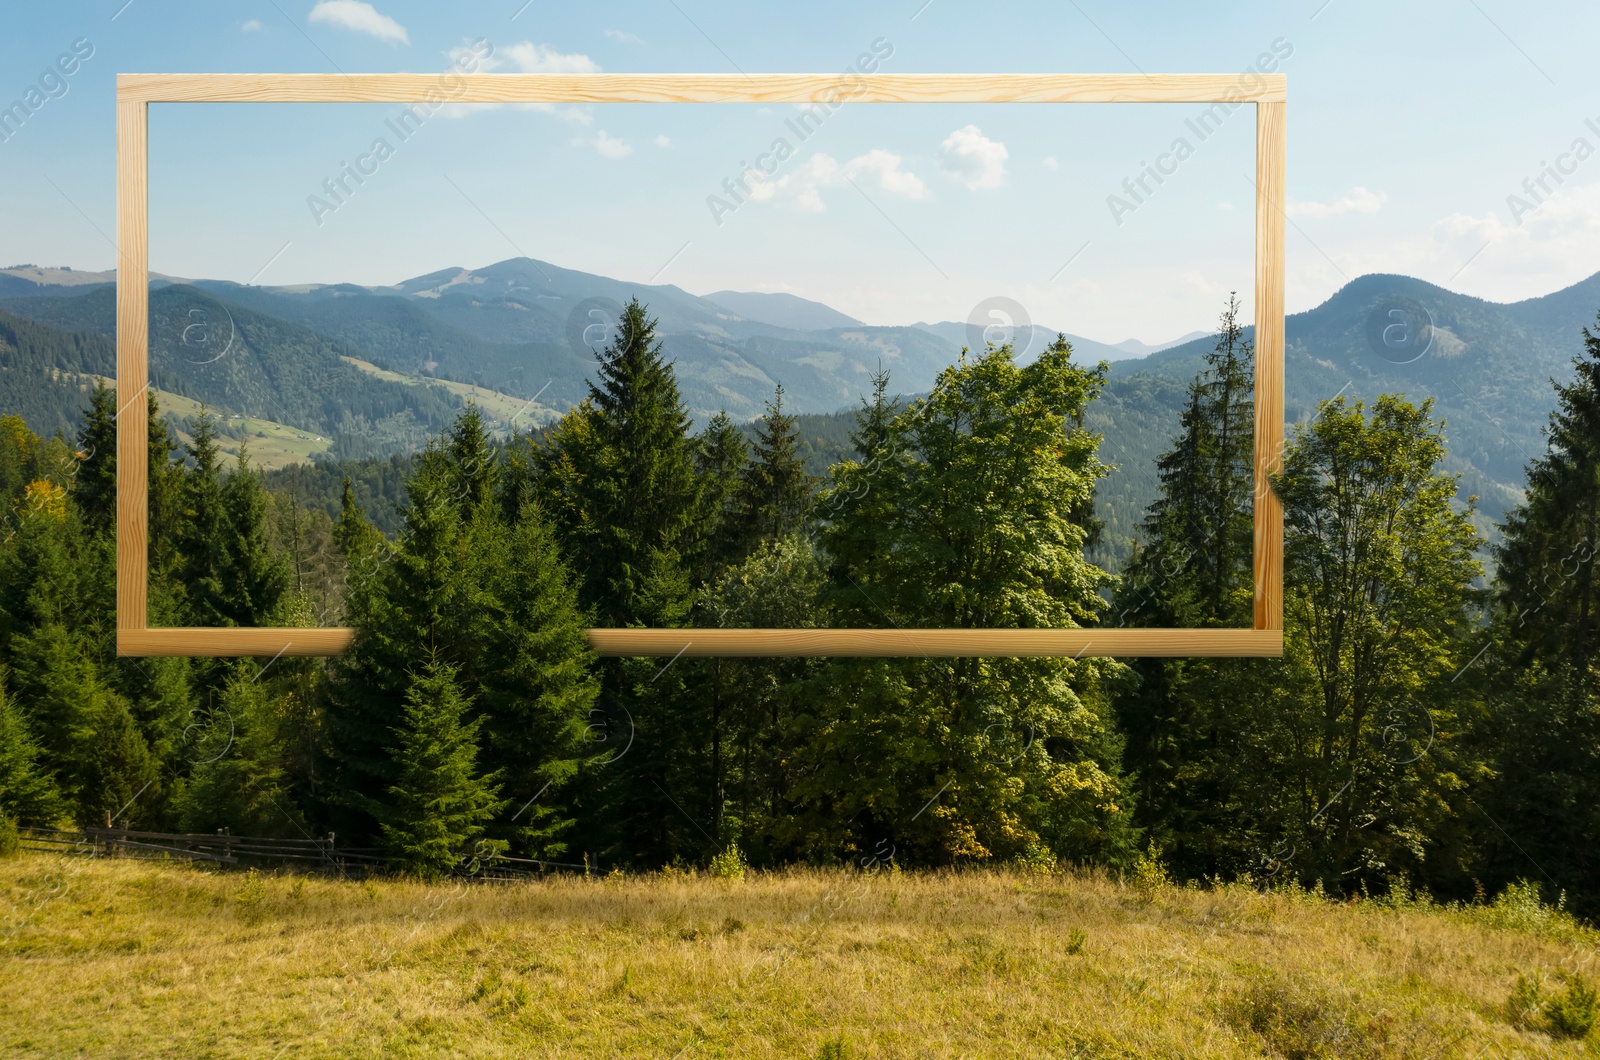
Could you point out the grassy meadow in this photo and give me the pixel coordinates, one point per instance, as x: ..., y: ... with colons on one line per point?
x: 131, y: 958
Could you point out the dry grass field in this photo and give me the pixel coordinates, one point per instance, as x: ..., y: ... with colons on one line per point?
x: 124, y: 958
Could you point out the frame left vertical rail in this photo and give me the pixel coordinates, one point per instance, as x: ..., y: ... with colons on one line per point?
x: 133, y: 364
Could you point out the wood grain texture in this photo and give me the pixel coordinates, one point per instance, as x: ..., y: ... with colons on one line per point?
x: 865, y: 643
x: 1271, y: 172
x: 191, y: 640
x: 135, y: 91
x: 937, y: 643
x: 133, y: 368
x: 701, y: 88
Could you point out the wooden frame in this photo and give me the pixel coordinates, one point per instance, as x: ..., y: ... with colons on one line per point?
x: 135, y: 92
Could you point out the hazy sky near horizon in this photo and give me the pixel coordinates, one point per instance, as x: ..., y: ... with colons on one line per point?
x: 1419, y: 135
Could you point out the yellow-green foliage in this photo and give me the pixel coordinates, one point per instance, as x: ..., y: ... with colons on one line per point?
x: 125, y: 958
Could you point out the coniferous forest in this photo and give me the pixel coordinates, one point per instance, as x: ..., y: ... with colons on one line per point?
x: 1433, y: 724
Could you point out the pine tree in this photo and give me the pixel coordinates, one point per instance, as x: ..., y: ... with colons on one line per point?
x: 1541, y: 725
x: 404, y: 599
x: 535, y: 678
x: 1196, y: 563
x: 1548, y: 578
x: 494, y: 601
x: 1194, y: 568
x: 618, y: 473
x: 166, y: 487
x: 254, y: 577
x: 28, y: 791
x: 850, y: 513
x: 439, y: 801
x: 204, y: 528
x: 721, y: 454
x: 474, y: 463
x: 95, y: 487
x: 774, y: 490
x: 239, y: 753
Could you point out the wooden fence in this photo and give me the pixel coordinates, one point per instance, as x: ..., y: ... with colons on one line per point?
x: 317, y: 854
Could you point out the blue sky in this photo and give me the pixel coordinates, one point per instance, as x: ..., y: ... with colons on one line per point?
x: 1411, y: 127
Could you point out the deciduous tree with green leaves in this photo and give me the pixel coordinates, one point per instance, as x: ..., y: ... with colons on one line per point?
x: 969, y: 759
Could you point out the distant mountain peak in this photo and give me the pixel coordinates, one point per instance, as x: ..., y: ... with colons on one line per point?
x: 783, y: 310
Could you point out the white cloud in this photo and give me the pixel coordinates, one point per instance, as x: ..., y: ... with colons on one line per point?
x: 885, y: 165
x: 534, y: 58
x: 662, y: 141
x: 251, y: 26
x: 622, y: 36
x: 1051, y: 163
x: 361, y: 17
x: 973, y: 159
x: 1360, y: 200
x: 801, y: 187
x: 1485, y: 255
x: 609, y: 146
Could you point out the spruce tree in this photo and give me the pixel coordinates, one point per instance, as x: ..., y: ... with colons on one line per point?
x: 721, y: 454
x: 402, y: 599
x: 496, y: 602
x: 95, y: 487
x: 1196, y: 559
x: 774, y: 490
x: 28, y: 791
x: 238, y: 754
x: 1547, y: 572
x: 850, y: 513
x: 618, y: 473
x: 474, y: 463
x: 440, y: 801
x: 204, y: 528
x: 1194, y: 567
x: 535, y: 679
x: 1541, y: 724
x: 167, y: 486
x: 254, y: 577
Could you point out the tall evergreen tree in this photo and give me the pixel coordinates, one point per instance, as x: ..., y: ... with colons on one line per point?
x: 620, y: 478
x: 28, y: 791
x: 774, y: 489
x: 618, y: 473
x: 440, y: 801
x: 1548, y: 577
x: 204, y: 527
x: 721, y: 454
x: 850, y: 512
x: 1193, y: 568
x: 498, y: 605
x: 95, y: 487
x: 1541, y: 726
x: 239, y: 760
x: 254, y: 577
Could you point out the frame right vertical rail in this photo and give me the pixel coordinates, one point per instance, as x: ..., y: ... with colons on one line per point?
x: 1271, y: 165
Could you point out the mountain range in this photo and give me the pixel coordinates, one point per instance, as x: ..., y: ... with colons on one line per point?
x: 361, y: 371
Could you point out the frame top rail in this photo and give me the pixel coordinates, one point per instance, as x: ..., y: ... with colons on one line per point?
x: 702, y: 88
